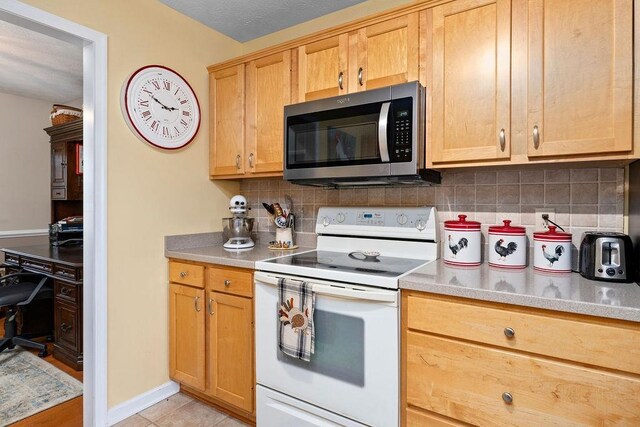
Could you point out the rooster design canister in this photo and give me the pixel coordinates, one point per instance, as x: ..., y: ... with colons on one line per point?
x: 552, y: 251
x: 507, y: 246
x: 462, y: 242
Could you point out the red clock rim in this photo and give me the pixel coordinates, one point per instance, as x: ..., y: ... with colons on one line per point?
x: 126, y: 106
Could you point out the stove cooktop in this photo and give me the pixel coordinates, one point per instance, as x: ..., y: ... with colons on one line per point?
x: 381, y: 270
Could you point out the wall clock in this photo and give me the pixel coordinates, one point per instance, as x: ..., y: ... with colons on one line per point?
x: 160, y: 107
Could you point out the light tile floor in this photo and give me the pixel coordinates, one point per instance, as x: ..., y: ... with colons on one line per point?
x: 180, y: 411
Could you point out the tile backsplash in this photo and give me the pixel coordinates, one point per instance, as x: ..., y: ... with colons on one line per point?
x: 583, y: 199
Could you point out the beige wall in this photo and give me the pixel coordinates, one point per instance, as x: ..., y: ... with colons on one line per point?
x: 151, y: 193
x: 24, y: 163
x: 343, y: 16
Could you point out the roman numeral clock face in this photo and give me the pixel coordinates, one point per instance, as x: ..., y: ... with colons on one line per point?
x: 160, y: 107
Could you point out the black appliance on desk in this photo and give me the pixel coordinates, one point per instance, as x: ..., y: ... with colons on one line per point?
x: 67, y: 231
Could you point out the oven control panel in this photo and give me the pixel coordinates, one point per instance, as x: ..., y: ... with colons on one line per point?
x: 405, y: 223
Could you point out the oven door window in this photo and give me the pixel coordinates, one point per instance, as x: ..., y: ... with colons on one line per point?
x: 342, y: 137
x: 339, y: 348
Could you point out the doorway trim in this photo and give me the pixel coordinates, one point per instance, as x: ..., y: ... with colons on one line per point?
x: 94, y: 45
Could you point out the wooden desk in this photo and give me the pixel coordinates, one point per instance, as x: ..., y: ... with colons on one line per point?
x: 64, y: 265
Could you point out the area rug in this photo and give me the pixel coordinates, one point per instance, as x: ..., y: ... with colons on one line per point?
x: 29, y: 385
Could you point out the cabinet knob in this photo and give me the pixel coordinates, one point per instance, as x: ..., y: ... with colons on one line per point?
x: 503, y: 140
x: 360, y: 70
x: 195, y: 303
x: 509, y: 332
x: 184, y: 274
x: 238, y: 158
x: 211, y: 306
x: 536, y: 137
x: 251, y: 160
x: 227, y: 283
x: 507, y: 397
x: 63, y: 164
x: 65, y: 291
x: 65, y: 328
x: 340, y: 79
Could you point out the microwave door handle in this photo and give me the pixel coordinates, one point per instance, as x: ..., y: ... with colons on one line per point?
x: 383, y: 122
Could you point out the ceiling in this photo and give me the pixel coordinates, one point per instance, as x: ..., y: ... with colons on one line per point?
x: 37, y: 66
x: 245, y: 20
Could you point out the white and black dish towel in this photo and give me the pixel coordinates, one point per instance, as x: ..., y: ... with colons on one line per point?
x: 295, y: 310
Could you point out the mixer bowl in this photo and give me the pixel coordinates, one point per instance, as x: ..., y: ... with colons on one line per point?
x: 237, y: 227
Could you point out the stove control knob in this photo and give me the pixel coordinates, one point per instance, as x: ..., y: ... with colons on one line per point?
x: 402, y: 219
x: 325, y: 221
x: 421, y: 225
x: 340, y: 217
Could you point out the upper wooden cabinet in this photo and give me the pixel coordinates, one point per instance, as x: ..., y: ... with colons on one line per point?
x: 247, y: 115
x: 387, y: 54
x: 580, y: 97
x: 381, y: 54
x: 471, y: 101
x: 226, y: 109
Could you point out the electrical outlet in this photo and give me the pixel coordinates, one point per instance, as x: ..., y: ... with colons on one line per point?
x: 541, y: 224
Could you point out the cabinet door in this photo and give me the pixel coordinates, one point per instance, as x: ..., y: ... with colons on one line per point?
x: 322, y: 68
x: 387, y: 54
x: 187, y: 335
x: 226, y: 105
x: 58, y: 165
x: 471, y: 104
x: 580, y: 77
x: 231, y: 369
x: 268, y: 91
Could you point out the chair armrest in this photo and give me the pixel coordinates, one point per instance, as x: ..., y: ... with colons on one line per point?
x: 35, y: 291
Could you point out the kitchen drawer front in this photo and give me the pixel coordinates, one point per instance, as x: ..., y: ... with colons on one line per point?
x: 66, y: 291
x: 469, y: 382
x: 11, y: 259
x: 418, y: 418
x: 577, y: 338
x: 67, y: 332
x: 187, y: 274
x: 66, y: 272
x: 58, y: 193
x: 36, y: 264
x: 231, y: 280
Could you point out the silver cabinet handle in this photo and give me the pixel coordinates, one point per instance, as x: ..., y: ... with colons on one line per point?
x: 65, y: 291
x: 227, y: 283
x: 251, y: 160
x: 238, y: 161
x: 360, y: 76
x: 184, y: 274
x: 211, y: 306
x: 507, y: 397
x: 340, y: 79
x: 63, y: 164
x: 195, y: 303
x: 509, y: 332
x: 502, y: 140
x: 65, y: 328
x: 536, y: 137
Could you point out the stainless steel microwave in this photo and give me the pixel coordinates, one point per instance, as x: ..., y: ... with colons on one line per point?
x: 374, y: 137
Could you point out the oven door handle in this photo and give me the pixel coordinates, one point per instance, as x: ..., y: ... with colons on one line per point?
x: 338, y: 291
x: 383, y: 123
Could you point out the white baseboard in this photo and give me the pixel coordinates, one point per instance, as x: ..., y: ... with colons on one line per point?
x: 23, y: 233
x: 141, y: 402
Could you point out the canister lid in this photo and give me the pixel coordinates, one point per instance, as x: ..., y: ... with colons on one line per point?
x: 552, y: 234
x: 507, y: 228
x: 461, y: 224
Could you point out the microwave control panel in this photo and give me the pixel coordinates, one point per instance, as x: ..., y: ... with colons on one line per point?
x: 401, y: 146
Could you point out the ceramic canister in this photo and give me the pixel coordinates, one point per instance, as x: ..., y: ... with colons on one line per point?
x: 552, y: 251
x: 462, y: 242
x: 507, y: 246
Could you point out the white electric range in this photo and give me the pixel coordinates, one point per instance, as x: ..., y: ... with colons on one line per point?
x: 353, y: 378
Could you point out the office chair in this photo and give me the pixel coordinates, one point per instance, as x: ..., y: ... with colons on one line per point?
x: 17, y: 291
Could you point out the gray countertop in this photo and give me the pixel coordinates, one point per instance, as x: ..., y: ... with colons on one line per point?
x: 561, y: 292
x: 207, y: 247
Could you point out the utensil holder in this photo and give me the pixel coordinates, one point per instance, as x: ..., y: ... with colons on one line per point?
x: 284, y: 235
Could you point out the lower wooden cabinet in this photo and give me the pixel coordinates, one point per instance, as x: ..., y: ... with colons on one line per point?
x: 211, y: 335
x: 455, y: 376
